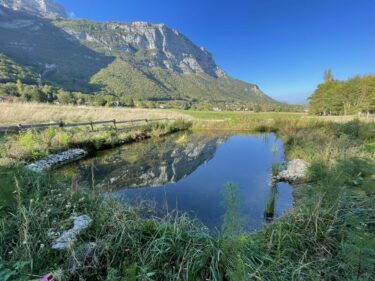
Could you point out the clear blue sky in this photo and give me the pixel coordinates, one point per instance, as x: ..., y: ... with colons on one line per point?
x: 282, y: 45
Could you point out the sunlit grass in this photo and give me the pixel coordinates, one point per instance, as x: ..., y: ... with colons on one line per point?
x: 31, y: 113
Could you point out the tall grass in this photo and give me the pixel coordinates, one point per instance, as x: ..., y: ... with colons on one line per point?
x: 35, y: 144
x: 276, y: 166
x: 329, y: 235
x: 269, y: 210
x: 31, y: 113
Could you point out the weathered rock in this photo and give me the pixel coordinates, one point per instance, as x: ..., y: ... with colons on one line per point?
x: 166, y: 47
x: 68, y: 237
x: 295, y: 171
x: 41, y: 8
x: 56, y: 160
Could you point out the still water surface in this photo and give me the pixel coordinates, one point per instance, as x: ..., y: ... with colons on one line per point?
x: 190, y: 174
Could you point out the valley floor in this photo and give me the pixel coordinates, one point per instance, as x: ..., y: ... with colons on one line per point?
x: 31, y: 113
x: 329, y: 235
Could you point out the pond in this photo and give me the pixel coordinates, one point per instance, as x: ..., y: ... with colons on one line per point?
x: 190, y: 172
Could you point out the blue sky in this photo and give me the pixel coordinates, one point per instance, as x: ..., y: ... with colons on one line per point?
x: 284, y: 46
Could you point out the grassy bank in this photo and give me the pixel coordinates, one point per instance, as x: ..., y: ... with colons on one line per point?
x: 34, y: 144
x: 329, y: 235
x: 19, y: 149
x: 227, y: 120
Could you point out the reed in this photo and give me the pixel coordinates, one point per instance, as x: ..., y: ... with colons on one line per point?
x: 276, y: 166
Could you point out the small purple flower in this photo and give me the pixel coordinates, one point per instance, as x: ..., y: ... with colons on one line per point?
x: 48, y: 277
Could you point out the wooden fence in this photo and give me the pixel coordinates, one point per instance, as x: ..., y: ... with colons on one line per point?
x: 22, y: 127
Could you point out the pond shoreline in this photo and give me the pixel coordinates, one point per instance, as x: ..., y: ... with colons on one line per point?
x: 329, y: 226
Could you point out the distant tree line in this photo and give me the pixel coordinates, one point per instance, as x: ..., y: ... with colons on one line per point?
x: 46, y: 93
x: 334, y: 97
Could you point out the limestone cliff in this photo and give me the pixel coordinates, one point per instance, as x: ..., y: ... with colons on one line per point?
x: 42, y: 8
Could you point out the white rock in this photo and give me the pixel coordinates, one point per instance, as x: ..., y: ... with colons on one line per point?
x: 295, y: 171
x: 56, y: 160
x: 67, y: 239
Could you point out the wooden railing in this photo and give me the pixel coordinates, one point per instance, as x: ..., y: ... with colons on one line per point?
x: 22, y: 127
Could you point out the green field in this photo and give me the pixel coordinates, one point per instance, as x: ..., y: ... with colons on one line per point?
x: 242, y: 116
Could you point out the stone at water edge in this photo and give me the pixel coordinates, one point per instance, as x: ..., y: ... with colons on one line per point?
x: 295, y: 171
x: 67, y: 239
x: 55, y: 160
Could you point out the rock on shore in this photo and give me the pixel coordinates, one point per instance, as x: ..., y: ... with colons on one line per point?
x: 295, y: 172
x: 56, y: 160
x: 68, y: 237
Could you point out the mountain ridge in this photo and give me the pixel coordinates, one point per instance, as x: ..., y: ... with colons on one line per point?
x: 137, y: 60
x: 173, y: 50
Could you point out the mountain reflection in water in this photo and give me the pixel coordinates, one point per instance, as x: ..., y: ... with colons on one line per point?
x: 191, y: 175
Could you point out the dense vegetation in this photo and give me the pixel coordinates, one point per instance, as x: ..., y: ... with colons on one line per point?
x: 25, y: 92
x: 11, y: 72
x: 329, y: 235
x: 333, y: 97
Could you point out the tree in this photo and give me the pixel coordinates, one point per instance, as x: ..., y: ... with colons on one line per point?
x: 20, y: 87
x: 35, y: 93
x: 328, y: 76
x: 100, y: 101
x: 47, y: 90
x: 65, y: 97
x: 353, y: 96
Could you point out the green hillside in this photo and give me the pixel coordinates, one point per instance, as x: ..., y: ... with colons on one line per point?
x: 10, y: 71
x: 127, y: 79
x: 49, y: 51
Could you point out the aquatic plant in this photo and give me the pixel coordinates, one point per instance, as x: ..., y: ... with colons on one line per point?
x: 233, y: 221
x: 269, y: 210
x: 276, y: 166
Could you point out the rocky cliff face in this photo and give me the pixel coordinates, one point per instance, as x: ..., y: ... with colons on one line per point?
x: 41, y: 8
x: 154, y: 45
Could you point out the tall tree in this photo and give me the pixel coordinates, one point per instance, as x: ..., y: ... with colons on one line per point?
x: 328, y: 76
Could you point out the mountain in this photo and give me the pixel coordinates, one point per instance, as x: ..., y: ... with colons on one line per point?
x: 42, y: 8
x: 38, y: 45
x: 155, y: 61
x: 136, y: 60
x: 154, y: 45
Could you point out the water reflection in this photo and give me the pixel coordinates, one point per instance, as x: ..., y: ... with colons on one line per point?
x: 191, y: 175
x: 149, y: 163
